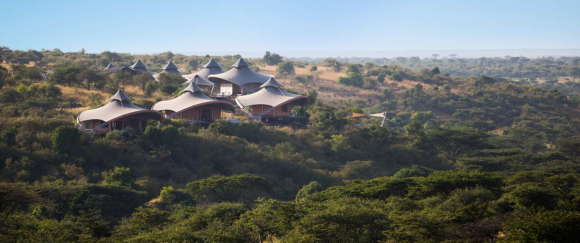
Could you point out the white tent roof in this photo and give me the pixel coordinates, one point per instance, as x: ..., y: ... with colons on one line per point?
x: 270, y: 94
x: 170, y: 67
x: 119, y: 106
x: 211, y: 67
x: 240, y: 74
x: 212, y: 63
x: 190, y: 97
x: 139, y: 66
x: 198, y: 79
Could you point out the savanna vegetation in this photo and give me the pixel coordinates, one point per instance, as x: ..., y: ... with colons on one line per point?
x: 460, y: 159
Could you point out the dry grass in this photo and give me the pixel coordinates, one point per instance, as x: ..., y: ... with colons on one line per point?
x: 81, y: 94
x: 326, y: 84
x: 6, y: 66
x: 133, y: 90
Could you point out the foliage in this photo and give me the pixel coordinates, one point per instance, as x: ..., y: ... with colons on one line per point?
x: 477, y: 159
x: 243, y: 187
x: 119, y: 176
x: 272, y: 58
x: 285, y: 68
x: 545, y: 226
x: 65, y: 140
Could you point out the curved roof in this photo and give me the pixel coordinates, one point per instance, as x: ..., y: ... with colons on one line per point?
x: 109, y: 67
x: 240, y: 74
x: 170, y: 67
x: 120, y: 96
x: 270, y: 94
x: 118, y: 107
x: 211, y: 67
x: 139, y: 66
x: 190, y: 97
x: 271, y: 83
x: 212, y: 63
x: 196, y: 78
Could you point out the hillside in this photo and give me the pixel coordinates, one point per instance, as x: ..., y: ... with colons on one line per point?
x: 460, y: 159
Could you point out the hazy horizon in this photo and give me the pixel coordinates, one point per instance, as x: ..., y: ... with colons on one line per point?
x: 323, y: 28
x: 529, y: 53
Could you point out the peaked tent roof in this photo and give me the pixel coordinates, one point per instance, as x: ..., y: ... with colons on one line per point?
x: 190, y: 97
x: 240, y: 63
x: 192, y: 88
x: 170, y: 67
x: 212, y: 63
x: 111, y: 68
x: 118, y: 107
x: 271, y: 83
x: 139, y: 66
x: 268, y: 95
x: 120, y: 96
x: 198, y: 79
x: 211, y: 67
x: 240, y: 74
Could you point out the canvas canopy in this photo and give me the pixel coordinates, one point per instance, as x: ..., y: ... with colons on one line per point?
x: 212, y: 63
x: 270, y: 94
x: 170, y: 67
x: 197, y: 79
x: 211, y: 67
x: 119, y: 106
x: 240, y: 74
x: 139, y: 66
x: 190, y: 97
x: 111, y: 68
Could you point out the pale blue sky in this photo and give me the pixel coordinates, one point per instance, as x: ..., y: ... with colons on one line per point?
x: 293, y: 28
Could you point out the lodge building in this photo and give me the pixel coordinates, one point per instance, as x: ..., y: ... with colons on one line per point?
x: 209, y: 94
x: 119, y: 113
x: 270, y: 101
x: 193, y: 105
x: 240, y: 79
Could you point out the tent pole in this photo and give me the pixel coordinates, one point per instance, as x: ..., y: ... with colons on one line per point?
x: 384, y: 119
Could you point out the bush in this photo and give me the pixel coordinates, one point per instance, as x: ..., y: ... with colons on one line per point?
x: 65, y: 140
x: 151, y: 87
x: 347, y: 220
x: 237, y: 188
x: 543, y: 226
x: 9, y: 95
x: 119, y: 176
x: 413, y: 171
x: 272, y: 58
x: 529, y: 195
x: 352, y: 79
x: 285, y: 68
x: 308, y: 190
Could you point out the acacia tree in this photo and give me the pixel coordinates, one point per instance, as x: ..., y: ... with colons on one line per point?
x: 272, y: 58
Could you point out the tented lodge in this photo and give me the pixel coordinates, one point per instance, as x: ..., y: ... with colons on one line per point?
x: 169, y: 68
x: 260, y: 96
x: 203, y: 83
x: 211, y: 67
x: 119, y: 113
x: 201, y: 76
x: 139, y: 67
x: 193, y: 105
x: 240, y: 79
x: 270, y: 101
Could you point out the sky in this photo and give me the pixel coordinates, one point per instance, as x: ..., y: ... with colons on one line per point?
x: 294, y: 28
